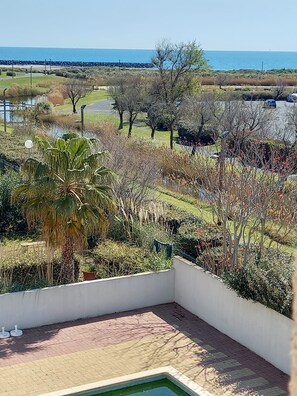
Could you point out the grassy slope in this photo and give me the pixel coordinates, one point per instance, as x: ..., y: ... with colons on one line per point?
x: 200, y: 209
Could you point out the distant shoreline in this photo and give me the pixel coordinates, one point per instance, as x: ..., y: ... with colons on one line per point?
x: 27, y: 63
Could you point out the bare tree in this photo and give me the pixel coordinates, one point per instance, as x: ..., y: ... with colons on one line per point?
x: 176, y: 65
x: 153, y: 105
x: 221, y: 79
x: 154, y: 117
x: 243, y: 120
x: 76, y: 90
x: 197, y: 115
x: 133, y: 101
x: 279, y: 89
x: 117, y: 91
x: 135, y: 165
x: 251, y: 203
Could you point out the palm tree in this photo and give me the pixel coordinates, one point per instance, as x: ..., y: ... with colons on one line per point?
x: 67, y: 192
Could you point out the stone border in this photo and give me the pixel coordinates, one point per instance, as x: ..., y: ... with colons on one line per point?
x: 169, y: 372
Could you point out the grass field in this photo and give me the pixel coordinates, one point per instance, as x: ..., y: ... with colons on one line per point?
x: 93, y: 97
x: 37, y: 80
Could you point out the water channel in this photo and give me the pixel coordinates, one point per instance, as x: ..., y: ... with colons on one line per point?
x: 14, y: 106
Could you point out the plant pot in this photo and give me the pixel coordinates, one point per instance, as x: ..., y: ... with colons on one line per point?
x: 88, y: 276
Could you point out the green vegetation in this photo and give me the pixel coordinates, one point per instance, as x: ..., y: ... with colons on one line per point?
x: 243, y: 229
x: 268, y: 280
x: 40, y: 83
x: 67, y: 192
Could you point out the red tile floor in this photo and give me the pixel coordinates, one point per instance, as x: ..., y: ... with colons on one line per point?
x: 64, y: 355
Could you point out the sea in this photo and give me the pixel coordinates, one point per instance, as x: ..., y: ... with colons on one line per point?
x: 218, y: 60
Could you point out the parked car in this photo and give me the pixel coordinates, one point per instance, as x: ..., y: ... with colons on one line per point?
x: 217, y: 155
x: 292, y: 98
x: 269, y: 103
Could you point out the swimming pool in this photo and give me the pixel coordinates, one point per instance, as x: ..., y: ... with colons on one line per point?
x: 160, y: 387
x: 162, y: 381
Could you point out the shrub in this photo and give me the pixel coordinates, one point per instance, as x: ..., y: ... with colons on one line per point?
x: 55, y: 97
x: 112, y: 258
x: 29, y: 271
x: 11, y: 218
x: 268, y: 280
x: 186, y: 240
x: 16, y: 90
x: 194, y: 238
x: 158, y: 262
x: 10, y: 74
x: 118, y: 259
x: 188, y: 137
x: 213, y: 260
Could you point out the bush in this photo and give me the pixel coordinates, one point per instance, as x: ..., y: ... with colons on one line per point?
x: 213, y: 260
x: 29, y: 271
x: 118, y: 259
x: 193, y: 238
x: 15, y: 91
x: 186, y: 240
x: 10, y: 74
x: 55, y: 97
x: 268, y: 280
x: 158, y: 262
x: 112, y: 258
x: 11, y: 218
x: 187, y: 137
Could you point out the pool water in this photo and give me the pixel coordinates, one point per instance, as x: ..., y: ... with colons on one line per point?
x: 162, y: 387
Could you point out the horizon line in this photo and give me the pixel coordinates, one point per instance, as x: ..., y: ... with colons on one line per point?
x: 144, y: 49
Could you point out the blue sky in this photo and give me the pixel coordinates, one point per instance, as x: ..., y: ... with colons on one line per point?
x: 263, y: 25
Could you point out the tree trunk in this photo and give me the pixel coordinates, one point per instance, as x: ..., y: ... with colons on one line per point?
x: 130, y: 125
x: 67, y: 270
x: 171, y: 138
x: 193, y: 152
x: 121, y: 114
x: 74, y: 108
x: 153, y: 133
x: 49, y: 267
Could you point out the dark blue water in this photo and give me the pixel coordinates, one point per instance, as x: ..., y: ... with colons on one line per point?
x: 219, y: 60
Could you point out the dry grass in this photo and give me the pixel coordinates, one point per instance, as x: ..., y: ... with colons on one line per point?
x: 250, y: 81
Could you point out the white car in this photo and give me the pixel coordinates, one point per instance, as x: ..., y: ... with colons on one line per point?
x: 292, y: 98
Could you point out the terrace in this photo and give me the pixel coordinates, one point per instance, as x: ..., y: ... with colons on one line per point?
x: 152, y: 329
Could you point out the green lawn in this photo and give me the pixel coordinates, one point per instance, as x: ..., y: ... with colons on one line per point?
x: 44, y: 80
x: 94, y: 96
x: 203, y: 211
x: 185, y: 202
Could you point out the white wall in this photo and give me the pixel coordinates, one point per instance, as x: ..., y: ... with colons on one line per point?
x: 86, y: 299
x: 262, y: 330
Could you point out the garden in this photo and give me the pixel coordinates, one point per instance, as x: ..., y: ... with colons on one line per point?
x: 112, y: 206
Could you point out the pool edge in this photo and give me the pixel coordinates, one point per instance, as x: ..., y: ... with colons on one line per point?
x: 168, y: 372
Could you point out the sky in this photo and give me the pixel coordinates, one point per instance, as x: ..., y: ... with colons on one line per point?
x: 247, y: 25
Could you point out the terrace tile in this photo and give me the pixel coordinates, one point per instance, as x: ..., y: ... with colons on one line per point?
x: 70, y: 354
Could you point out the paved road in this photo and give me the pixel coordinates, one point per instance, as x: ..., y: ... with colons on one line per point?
x: 102, y: 106
x: 281, y: 122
